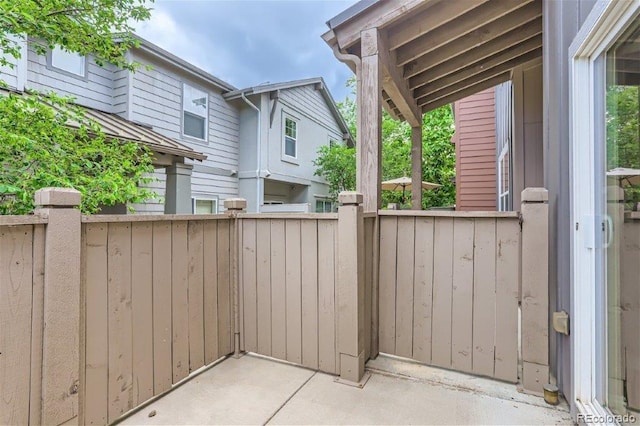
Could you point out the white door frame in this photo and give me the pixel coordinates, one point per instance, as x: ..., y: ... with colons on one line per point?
x: 604, y: 24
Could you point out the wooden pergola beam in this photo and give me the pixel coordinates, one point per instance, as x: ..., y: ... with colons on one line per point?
x: 477, y: 59
x: 466, y: 91
x: 442, y: 87
x: 478, y: 43
x: 501, y: 15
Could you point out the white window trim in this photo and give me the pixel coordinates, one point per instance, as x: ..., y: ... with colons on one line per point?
x: 285, y: 157
x: 196, y: 198
x: 84, y: 76
x: 206, y: 117
x: 501, y: 193
x: 602, y: 27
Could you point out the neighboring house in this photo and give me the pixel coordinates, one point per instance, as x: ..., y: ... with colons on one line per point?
x: 573, y: 68
x: 198, y: 126
x: 282, y: 127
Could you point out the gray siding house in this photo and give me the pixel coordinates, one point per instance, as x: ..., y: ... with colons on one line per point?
x: 282, y: 126
x: 201, y: 129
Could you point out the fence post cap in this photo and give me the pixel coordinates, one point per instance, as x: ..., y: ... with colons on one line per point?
x: 57, y: 197
x: 535, y: 195
x: 350, y: 197
x: 235, y: 204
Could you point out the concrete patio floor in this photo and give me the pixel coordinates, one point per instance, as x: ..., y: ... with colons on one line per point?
x: 255, y: 390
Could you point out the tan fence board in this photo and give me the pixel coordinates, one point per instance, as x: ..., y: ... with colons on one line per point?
x: 293, y: 291
x: 484, y: 300
x: 507, y: 285
x: 142, y: 310
x: 120, y: 320
x: 16, y: 255
x: 162, y: 342
x: 442, y: 294
x: 423, y: 290
x: 179, y: 300
x: 369, y: 224
x: 210, y: 291
x: 309, y: 261
x: 278, y: 291
x: 37, y: 326
x: 249, y: 284
x: 263, y: 271
x: 196, y: 294
x: 462, y: 295
x: 326, y: 297
x: 387, y: 284
x: 225, y: 303
x: 404, y: 287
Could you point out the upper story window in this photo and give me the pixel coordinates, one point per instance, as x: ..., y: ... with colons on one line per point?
x: 70, y: 62
x: 290, y: 137
x: 195, y: 110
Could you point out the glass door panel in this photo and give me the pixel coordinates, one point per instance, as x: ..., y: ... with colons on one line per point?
x: 621, y: 224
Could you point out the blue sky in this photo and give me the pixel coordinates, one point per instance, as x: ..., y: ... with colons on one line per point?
x: 247, y: 43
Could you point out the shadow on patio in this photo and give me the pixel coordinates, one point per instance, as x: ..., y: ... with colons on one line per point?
x: 257, y: 390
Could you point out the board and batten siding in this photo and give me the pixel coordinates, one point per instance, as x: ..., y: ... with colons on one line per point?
x: 156, y: 100
x: 475, y: 139
x: 94, y: 91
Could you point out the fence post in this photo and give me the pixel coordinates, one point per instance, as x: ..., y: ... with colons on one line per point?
x: 351, y: 287
x: 233, y: 207
x: 535, y: 289
x: 61, y: 336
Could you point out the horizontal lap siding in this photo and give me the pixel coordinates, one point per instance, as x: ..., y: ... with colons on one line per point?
x: 288, y: 290
x: 476, y: 152
x: 449, y: 292
x: 157, y: 306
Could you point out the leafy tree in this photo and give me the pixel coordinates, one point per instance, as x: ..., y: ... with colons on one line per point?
x: 337, y: 164
x: 38, y: 147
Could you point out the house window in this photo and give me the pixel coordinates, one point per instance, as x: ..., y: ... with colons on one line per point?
x: 504, y: 199
x: 290, y: 137
x: 324, y: 206
x: 204, y: 205
x: 195, y: 109
x: 70, y: 62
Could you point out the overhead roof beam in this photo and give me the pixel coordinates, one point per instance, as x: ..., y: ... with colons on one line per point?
x: 441, y: 12
x: 466, y: 91
x: 495, y: 17
x: 519, y: 39
x: 464, y: 44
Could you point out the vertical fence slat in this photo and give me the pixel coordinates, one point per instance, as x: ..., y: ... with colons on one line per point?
x: 326, y: 297
x: 179, y: 300
x: 423, y: 290
x: 462, y: 295
x: 442, y: 283
x: 249, y: 284
x: 507, y: 279
x: 263, y: 270
x: 37, y: 325
x: 484, y: 297
x: 196, y: 295
x: 368, y: 283
x: 278, y: 290
x: 388, y: 251
x: 210, y: 293
x: 142, y: 310
x: 120, y: 320
x: 404, y: 287
x: 293, y: 291
x: 225, y: 321
x: 162, y: 343
x: 309, y: 259
x: 16, y: 251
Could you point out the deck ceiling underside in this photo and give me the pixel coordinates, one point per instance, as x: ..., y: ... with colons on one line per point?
x: 440, y: 51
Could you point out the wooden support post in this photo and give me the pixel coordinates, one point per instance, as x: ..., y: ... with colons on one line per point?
x: 351, y: 287
x: 368, y: 152
x: 416, y: 168
x: 233, y: 207
x: 61, y: 336
x: 535, y: 289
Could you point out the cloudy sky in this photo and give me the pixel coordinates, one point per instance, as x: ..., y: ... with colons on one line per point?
x: 247, y: 43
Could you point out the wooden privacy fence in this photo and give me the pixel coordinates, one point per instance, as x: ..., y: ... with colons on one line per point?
x: 157, y: 306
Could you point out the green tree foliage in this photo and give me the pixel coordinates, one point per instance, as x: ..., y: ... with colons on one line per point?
x: 337, y: 164
x: 38, y: 145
